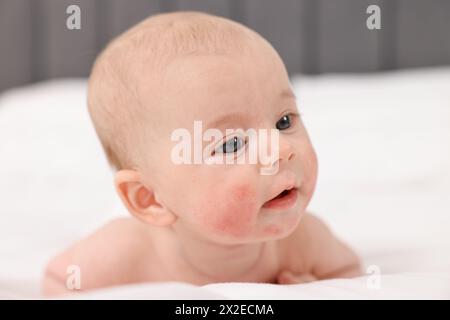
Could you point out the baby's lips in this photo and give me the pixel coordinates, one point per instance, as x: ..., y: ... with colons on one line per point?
x: 284, y: 200
x: 278, y: 191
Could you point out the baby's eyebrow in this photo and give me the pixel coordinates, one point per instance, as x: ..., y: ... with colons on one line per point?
x: 234, y: 117
x: 288, y: 94
x: 237, y: 117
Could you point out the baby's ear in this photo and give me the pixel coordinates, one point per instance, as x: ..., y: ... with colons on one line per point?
x: 140, y: 200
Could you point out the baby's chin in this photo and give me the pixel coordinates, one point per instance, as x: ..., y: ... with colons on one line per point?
x: 259, y: 234
x: 262, y: 226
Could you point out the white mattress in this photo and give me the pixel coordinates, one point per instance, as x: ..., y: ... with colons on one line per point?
x: 383, y: 143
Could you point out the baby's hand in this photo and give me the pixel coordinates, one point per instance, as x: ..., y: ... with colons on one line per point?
x: 288, y: 277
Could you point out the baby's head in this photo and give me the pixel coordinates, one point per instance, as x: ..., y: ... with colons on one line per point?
x: 172, y: 70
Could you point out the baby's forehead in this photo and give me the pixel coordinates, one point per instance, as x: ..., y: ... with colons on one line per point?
x: 196, y: 72
x: 204, y: 83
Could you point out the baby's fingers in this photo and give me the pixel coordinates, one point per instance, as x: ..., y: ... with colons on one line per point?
x: 287, y: 277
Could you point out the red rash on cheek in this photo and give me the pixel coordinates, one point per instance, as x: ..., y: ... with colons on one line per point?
x: 236, y: 210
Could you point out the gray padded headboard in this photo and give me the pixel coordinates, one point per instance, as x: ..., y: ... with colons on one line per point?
x: 312, y: 36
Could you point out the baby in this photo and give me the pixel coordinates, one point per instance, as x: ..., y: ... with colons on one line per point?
x: 201, y: 222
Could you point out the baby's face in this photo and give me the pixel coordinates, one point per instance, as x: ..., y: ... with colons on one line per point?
x: 228, y: 203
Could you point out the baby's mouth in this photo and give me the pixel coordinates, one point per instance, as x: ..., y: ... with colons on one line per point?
x: 283, y: 200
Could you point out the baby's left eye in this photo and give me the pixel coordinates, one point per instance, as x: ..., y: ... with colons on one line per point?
x: 284, y: 123
x: 232, y: 145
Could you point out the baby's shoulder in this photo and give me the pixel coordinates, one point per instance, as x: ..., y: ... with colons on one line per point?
x: 112, y: 253
x: 126, y: 230
x: 118, y: 238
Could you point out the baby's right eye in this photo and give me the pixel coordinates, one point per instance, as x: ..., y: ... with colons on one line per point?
x: 232, y: 145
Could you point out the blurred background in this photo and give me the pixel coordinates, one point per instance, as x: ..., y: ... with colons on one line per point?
x: 312, y: 36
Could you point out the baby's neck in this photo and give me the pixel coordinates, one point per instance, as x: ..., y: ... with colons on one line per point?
x: 223, y: 262
x: 212, y: 262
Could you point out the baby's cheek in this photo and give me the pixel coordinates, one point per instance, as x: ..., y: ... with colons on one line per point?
x: 310, y: 175
x: 235, y: 210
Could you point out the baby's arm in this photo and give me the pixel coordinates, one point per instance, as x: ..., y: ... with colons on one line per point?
x: 321, y: 255
x: 107, y: 257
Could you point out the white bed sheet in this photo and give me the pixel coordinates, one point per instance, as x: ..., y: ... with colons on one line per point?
x: 383, y: 143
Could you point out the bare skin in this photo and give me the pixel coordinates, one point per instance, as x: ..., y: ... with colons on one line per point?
x: 154, y: 254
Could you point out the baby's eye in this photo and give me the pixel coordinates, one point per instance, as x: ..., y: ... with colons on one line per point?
x: 231, y: 146
x: 284, y: 123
